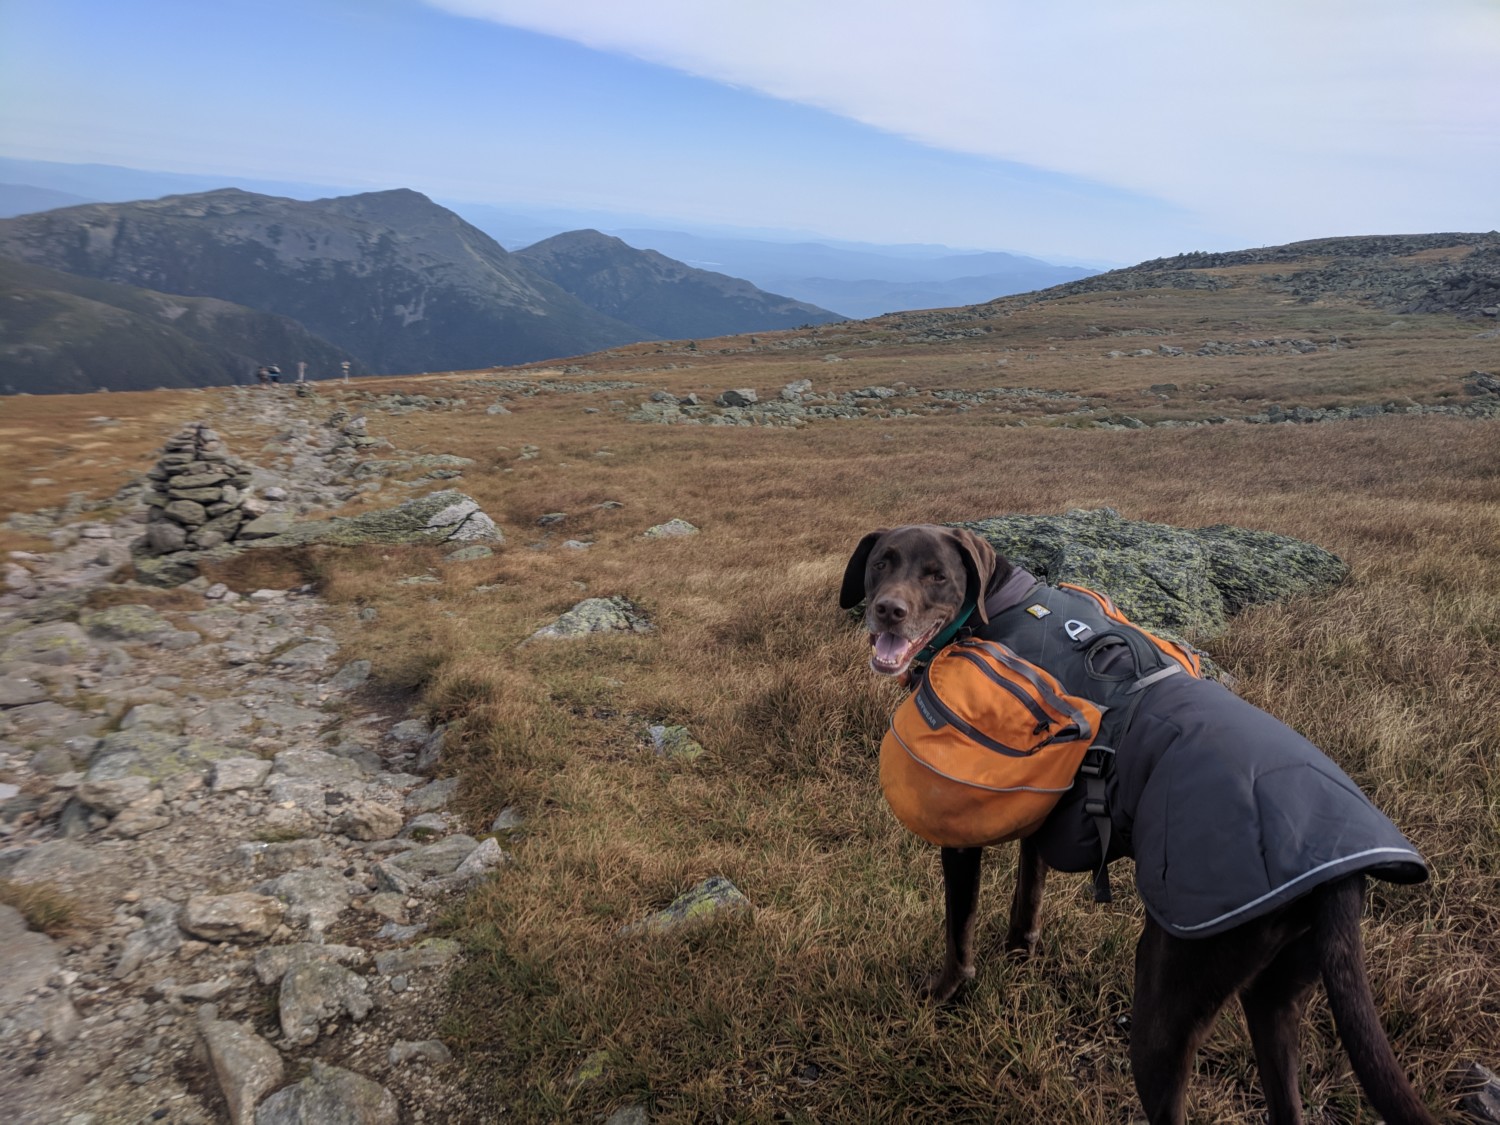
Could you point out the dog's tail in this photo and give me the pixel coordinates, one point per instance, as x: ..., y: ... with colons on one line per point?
x: 1341, y: 955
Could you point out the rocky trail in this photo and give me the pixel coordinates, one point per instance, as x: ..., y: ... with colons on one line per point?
x: 248, y: 852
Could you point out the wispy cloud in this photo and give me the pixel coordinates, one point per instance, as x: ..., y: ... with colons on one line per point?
x: 1274, y: 118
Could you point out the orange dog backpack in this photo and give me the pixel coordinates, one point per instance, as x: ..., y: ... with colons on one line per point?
x: 1000, y: 723
x: 984, y: 747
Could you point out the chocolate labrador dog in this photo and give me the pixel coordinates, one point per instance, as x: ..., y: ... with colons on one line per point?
x: 915, y: 581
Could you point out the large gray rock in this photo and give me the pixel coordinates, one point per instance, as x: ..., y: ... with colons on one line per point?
x: 158, y: 936
x: 64, y: 862
x: 615, y: 614
x: 134, y: 624
x: 275, y: 961
x: 1181, y: 581
x: 439, y: 517
x: 314, y: 896
x: 153, y: 754
x: 368, y: 820
x: 317, y: 992
x: 241, y: 916
x: 18, y: 689
x: 318, y: 765
x: 245, y: 1065
x: 330, y: 1095
x: 54, y: 643
x: 442, y: 858
x: 30, y: 957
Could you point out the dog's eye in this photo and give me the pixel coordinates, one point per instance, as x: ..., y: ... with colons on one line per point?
x: 937, y: 576
x: 879, y: 565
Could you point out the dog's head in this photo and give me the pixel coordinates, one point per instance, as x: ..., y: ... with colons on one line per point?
x: 914, y: 581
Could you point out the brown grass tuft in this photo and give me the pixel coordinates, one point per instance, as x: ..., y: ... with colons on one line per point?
x: 44, y: 907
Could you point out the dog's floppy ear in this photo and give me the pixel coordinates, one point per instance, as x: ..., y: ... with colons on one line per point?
x: 853, y: 590
x: 980, y: 563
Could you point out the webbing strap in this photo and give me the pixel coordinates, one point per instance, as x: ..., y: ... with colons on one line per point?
x: 1096, y: 805
x: 1171, y: 669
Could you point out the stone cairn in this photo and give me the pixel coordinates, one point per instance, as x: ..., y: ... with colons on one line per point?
x: 198, y: 497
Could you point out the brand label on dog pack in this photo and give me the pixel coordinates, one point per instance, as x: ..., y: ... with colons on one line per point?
x: 1038, y: 611
x: 928, y: 712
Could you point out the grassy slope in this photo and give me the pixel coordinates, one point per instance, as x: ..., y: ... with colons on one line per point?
x: 805, y: 1011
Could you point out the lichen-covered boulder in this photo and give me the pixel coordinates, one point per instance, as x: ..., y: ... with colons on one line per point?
x: 131, y: 623
x: 439, y: 517
x: 615, y: 614
x: 1185, y: 582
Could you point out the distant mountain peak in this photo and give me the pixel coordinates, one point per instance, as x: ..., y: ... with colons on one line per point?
x: 659, y: 293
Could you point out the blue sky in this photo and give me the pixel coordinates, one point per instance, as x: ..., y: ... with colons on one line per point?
x: 1091, y: 128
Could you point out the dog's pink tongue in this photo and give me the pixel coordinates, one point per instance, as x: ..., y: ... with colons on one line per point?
x: 891, y: 648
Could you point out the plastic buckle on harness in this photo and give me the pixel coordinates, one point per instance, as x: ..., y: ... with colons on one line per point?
x: 1095, y: 759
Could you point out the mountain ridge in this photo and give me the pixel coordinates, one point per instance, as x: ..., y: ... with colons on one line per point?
x: 661, y: 294
x: 434, y: 294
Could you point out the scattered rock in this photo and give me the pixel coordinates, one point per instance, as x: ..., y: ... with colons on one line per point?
x: 30, y: 958
x: 483, y: 858
x: 330, y: 1095
x: 241, y: 916
x: 230, y: 774
x: 351, y: 676
x: 317, y: 992
x: 433, y: 795
x: 275, y: 961
x: 715, y: 897
x: 435, y: 518
x: 427, y: 1050
x: 470, y: 554
x: 434, y: 953
x: 674, y: 742
x: 615, y: 614
x: 740, y: 396
x: 672, y: 529
x: 246, y: 1066
x: 1481, y: 1100
x: 367, y: 820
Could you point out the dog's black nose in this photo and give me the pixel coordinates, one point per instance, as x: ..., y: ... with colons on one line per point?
x: 891, y: 610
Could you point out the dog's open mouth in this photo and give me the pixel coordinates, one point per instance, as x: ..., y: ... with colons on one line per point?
x: 894, y: 652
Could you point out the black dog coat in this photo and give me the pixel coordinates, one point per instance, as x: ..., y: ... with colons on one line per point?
x: 1228, y: 812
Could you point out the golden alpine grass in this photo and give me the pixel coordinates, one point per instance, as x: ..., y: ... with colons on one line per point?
x: 804, y: 1009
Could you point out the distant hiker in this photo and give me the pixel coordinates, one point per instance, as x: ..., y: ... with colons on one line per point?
x: 262, y: 376
x: 274, y: 373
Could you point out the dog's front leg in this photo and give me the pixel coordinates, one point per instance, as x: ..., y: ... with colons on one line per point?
x: 1026, y: 907
x: 960, y: 905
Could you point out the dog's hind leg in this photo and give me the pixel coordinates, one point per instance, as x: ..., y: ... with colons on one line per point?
x: 1026, y: 907
x: 1179, y: 988
x: 1273, y: 1004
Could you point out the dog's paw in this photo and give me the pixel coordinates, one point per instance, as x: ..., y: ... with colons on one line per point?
x: 942, y: 986
x: 1019, y: 946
